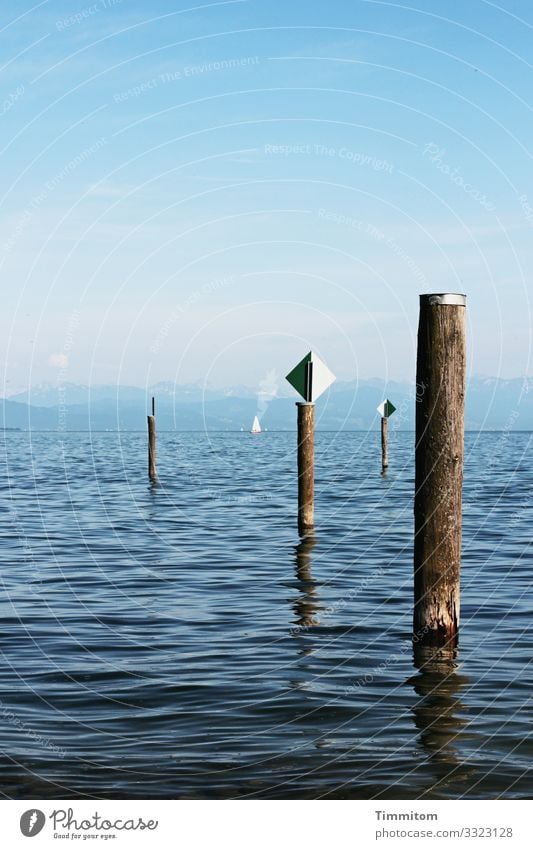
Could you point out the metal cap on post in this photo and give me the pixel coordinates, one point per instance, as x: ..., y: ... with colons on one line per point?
x: 439, y: 453
x: 451, y: 299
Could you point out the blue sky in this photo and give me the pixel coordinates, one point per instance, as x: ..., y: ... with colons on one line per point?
x: 207, y: 191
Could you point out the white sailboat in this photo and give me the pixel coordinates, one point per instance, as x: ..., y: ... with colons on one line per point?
x: 256, y: 427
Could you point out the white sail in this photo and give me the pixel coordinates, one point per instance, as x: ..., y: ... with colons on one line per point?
x: 256, y: 427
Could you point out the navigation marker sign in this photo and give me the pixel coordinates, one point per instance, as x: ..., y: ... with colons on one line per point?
x: 386, y: 409
x: 311, y: 377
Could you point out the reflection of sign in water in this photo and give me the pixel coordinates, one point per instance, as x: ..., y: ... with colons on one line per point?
x: 386, y: 409
x: 311, y: 377
x: 32, y: 822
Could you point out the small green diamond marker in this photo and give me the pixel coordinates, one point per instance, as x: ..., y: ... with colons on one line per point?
x: 386, y: 409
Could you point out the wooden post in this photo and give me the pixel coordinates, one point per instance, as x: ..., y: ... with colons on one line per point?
x: 311, y: 377
x: 152, y: 474
x: 384, y: 444
x: 440, y: 378
x: 306, y: 466
x: 385, y: 409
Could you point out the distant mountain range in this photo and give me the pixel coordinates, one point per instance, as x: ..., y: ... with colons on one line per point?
x: 52, y: 395
x: 492, y: 404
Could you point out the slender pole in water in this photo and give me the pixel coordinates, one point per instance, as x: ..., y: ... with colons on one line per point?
x: 306, y: 466
x: 385, y: 409
x: 152, y: 474
x: 384, y: 443
x: 439, y: 453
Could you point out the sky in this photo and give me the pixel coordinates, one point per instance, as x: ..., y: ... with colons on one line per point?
x: 205, y: 192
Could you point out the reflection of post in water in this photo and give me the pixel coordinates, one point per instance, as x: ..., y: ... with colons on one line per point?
x: 438, y: 686
x: 306, y: 604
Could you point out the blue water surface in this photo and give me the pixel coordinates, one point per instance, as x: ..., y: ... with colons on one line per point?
x: 178, y: 639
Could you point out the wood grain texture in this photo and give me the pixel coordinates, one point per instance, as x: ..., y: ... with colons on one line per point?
x: 152, y: 473
x: 384, y: 443
x: 439, y: 455
x: 306, y: 466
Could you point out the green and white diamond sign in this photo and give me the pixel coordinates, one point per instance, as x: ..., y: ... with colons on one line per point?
x: 386, y: 409
x: 311, y: 377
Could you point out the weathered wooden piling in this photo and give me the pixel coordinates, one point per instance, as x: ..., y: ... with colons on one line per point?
x: 384, y: 444
x: 152, y: 473
x: 439, y: 453
x: 306, y: 466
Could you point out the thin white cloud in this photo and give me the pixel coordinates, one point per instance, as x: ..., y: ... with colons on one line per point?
x: 58, y: 360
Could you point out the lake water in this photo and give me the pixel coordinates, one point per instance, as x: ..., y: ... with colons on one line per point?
x: 177, y: 641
